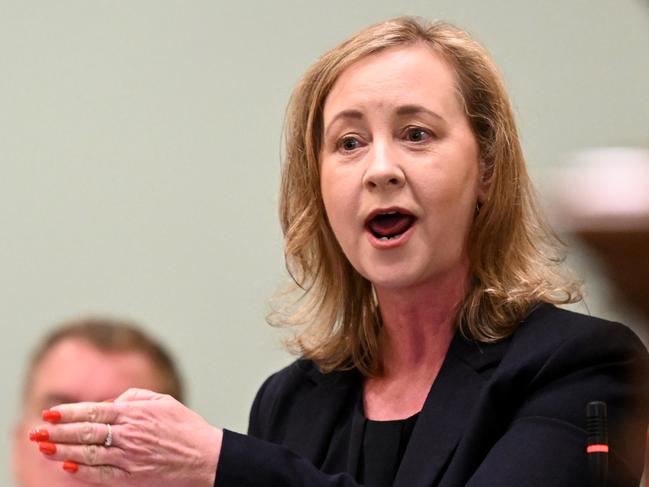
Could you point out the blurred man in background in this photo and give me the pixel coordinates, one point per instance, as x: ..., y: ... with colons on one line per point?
x: 90, y: 359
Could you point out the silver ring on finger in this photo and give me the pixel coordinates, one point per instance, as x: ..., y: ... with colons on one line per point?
x: 109, y: 437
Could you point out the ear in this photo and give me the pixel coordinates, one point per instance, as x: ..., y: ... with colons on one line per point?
x: 484, y: 183
x: 483, y: 192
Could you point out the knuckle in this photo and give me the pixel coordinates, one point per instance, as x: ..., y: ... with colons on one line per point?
x: 91, y: 453
x: 106, y: 474
x: 129, y: 435
x: 93, y: 413
x: 168, y: 398
x: 124, y: 459
x: 132, y: 391
x: 86, y: 433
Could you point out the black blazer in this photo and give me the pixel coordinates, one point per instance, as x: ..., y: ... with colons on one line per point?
x: 509, y: 414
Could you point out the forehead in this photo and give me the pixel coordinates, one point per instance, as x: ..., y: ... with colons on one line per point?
x: 76, y: 370
x: 413, y: 74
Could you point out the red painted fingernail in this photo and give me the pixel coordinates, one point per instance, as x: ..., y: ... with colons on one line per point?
x: 70, y: 467
x: 39, y: 435
x: 51, y: 416
x: 47, y: 447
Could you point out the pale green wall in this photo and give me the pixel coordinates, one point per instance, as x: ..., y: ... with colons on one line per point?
x: 139, y: 146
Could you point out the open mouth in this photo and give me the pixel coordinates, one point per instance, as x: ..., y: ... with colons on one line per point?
x: 390, y: 225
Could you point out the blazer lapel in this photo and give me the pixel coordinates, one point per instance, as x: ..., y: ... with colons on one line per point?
x: 442, y: 420
x: 325, y: 421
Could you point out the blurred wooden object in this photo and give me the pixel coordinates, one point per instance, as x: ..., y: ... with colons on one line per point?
x: 625, y: 256
x: 601, y: 196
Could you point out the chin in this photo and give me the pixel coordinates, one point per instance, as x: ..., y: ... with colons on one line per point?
x: 393, y: 277
x: 401, y: 276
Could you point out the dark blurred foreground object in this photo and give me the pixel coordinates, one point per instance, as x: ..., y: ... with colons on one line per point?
x: 602, y: 197
x: 625, y: 254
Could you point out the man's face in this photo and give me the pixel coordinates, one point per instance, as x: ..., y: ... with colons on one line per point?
x: 72, y: 371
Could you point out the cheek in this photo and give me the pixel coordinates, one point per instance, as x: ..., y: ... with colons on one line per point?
x: 327, y: 191
x: 336, y: 215
x: 338, y: 199
x: 446, y: 192
x: 341, y: 220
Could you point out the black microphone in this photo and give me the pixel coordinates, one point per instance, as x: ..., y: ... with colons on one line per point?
x: 597, y: 446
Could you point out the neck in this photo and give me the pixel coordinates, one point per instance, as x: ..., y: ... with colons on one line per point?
x: 419, y: 322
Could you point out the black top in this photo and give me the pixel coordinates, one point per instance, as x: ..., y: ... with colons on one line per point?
x: 382, y: 448
x: 506, y: 414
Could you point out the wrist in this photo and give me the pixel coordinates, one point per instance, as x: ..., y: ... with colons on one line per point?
x: 212, y: 455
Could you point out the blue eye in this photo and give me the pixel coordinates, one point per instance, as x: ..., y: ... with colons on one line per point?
x: 415, y: 134
x: 349, y: 144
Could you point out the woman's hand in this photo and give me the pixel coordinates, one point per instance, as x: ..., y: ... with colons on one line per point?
x: 155, y: 441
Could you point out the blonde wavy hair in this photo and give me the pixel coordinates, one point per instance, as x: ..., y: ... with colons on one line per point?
x: 514, y: 256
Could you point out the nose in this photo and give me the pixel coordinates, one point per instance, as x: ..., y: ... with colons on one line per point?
x: 384, y: 169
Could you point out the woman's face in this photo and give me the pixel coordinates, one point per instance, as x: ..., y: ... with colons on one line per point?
x: 400, y: 176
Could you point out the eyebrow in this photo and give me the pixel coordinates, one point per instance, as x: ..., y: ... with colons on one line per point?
x: 401, y: 111
x: 417, y: 109
x: 353, y: 114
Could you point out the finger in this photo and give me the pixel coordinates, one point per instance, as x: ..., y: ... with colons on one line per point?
x: 100, y: 474
x: 134, y: 394
x: 76, y: 433
x: 91, y: 412
x: 40, y: 433
x: 83, y: 454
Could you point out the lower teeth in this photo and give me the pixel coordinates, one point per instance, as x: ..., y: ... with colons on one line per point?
x: 390, y: 238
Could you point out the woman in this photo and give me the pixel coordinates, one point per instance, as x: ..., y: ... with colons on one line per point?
x: 432, y: 352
